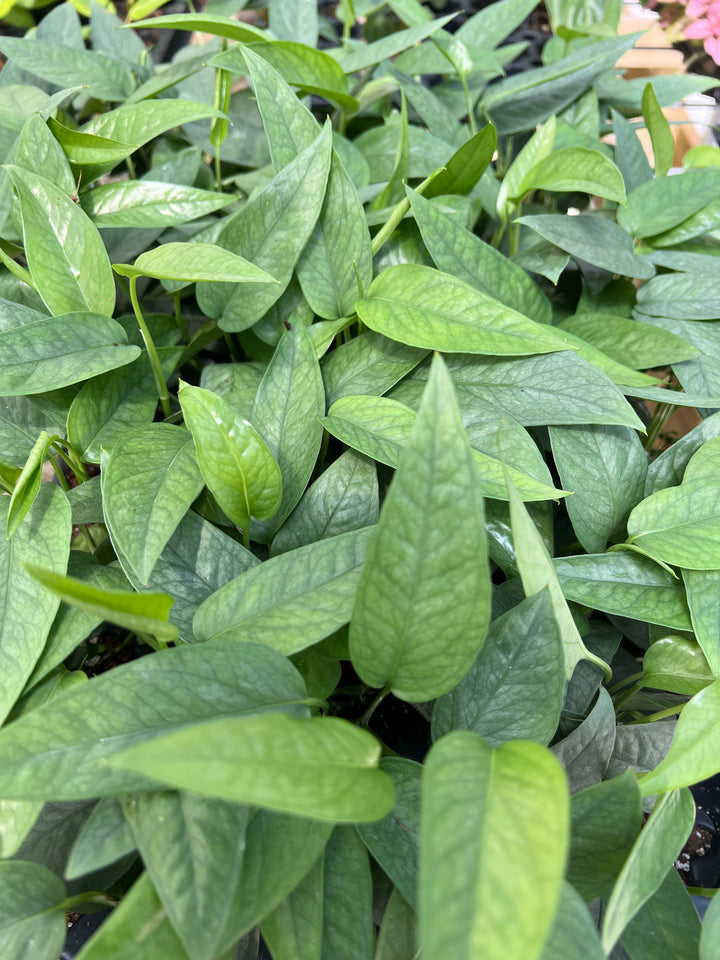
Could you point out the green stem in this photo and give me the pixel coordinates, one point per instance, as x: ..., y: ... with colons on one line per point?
x: 514, y: 238
x: 246, y: 537
x: 152, y: 351
x: 14, y: 267
x: 374, y: 704
x: 499, y: 234
x: 660, y: 715
x: 130, y: 168
x: 397, y: 213
x: 62, y: 479
x: 71, y: 458
x: 468, y: 105
x: 658, y: 420
x: 94, y: 897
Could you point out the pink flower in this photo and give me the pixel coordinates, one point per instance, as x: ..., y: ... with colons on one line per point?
x: 712, y: 47
x: 697, y: 8
x: 707, y: 25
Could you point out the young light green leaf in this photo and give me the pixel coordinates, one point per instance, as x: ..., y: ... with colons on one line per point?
x: 639, y: 345
x: 661, y: 138
x: 494, y: 827
x: 192, y: 847
x: 215, y: 25
x: 319, y: 767
x: 651, y: 857
x: 26, y: 608
x: 536, y: 572
x: 37, y: 150
x: 144, y: 203
x: 676, y: 664
x: 88, y: 153
x: 461, y: 253
x: 31, y: 898
x: 234, y: 460
x: 702, y: 588
x: 425, y: 308
x: 140, y: 924
x: 65, y: 254
x: 593, y: 239
x: 338, y: 254
x: 149, y: 481
x: 606, y: 468
x: 27, y: 485
x: 680, y: 525
x: 286, y: 413
x: 52, y: 352
x: 500, y: 702
x: 291, y: 601
x: 194, y: 263
x: 466, y: 166
x: 576, y: 169
x: 271, y: 229
x: 402, y: 633
x: 693, y: 754
x: 627, y: 585
x: 343, y: 498
x: 66, y: 741
x: 371, y: 53
x: 142, y: 612
x: 380, y: 427
x: 536, y: 149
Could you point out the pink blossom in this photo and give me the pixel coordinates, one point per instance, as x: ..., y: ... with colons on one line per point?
x: 712, y: 47
x: 706, y: 26
x: 697, y: 8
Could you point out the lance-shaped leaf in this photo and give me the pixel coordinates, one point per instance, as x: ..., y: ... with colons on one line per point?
x: 661, y: 204
x: 380, y: 428
x: 703, y: 597
x: 65, y: 742
x: 31, y: 900
x: 425, y: 308
x: 466, y: 165
x: 144, y: 203
x: 494, y: 827
x: 637, y: 344
x: 661, y: 138
x: 149, y: 481
x: 141, y: 612
x: 683, y: 296
x: 27, y: 485
x: 27, y: 609
x: 140, y: 122
x: 627, y: 585
x: 65, y: 253
x: 271, y: 230
x: 291, y: 601
x: 694, y: 753
x: 192, y: 847
x: 286, y: 413
x: 194, y: 262
x: 293, y: 930
x: 347, y: 896
x: 680, y: 525
x: 652, y: 856
x: 368, y: 364
x: 337, y: 256
x: 536, y: 572
x: 676, y: 664
x: 319, y: 767
x: 89, y: 153
x: 52, y: 352
x: 405, y: 631
x: 576, y: 169
x: 213, y: 24
x: 593, y: 239
x: 66, y: 66
x: 234, y: 460
x: 371, y: 53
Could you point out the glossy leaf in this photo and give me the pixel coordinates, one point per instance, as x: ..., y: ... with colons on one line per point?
x: 403, y: 633
x: 271, y: 229
x: 536, y: 572
x: 337, y: 257
x: 380, y: 428
x: 192, y: 848
x: 680, y: 525
x: 693, y: 754
x: 627, y: 585
x: 368, y: 364
x: 27, y: 485
x: 286, y: 414
x: 683, y: 296
x: 586, y: 751
x: 606, y: 469
x: 143, y: 203
x: 576, y: 169
x: 324, y: 768
x: 426, y: 308
x: 498, y: 699
x: 394, y: 840
x: 137, y: 123
x: 592, y: 239
x: 605, y: 820
x: 149, y: 481
x: 461, y: 253
x: 661, y: 138
x: 140, y: 923
x: 64, y: 741
x: 37, y: 150
x: 234, y: 460
x: 676, y: 664
x: 291, y: 601
x: 215, y: 25
x: 343, y: 498
x: 369, y: 54
x: 27, y: 609
x: 194, y: 262
x: 31, y: 899
x: 652, y: 855
x: 494, y: 827
x: 637, y: 344
x: 50, y: 352
x: 65, y: 255
x: 466, y: 166
x: 659, y: 205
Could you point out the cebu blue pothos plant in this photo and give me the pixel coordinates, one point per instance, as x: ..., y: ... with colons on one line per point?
x: 370, y: 607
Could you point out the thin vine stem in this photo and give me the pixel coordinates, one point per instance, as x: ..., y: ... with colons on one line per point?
x: 151, y: 349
